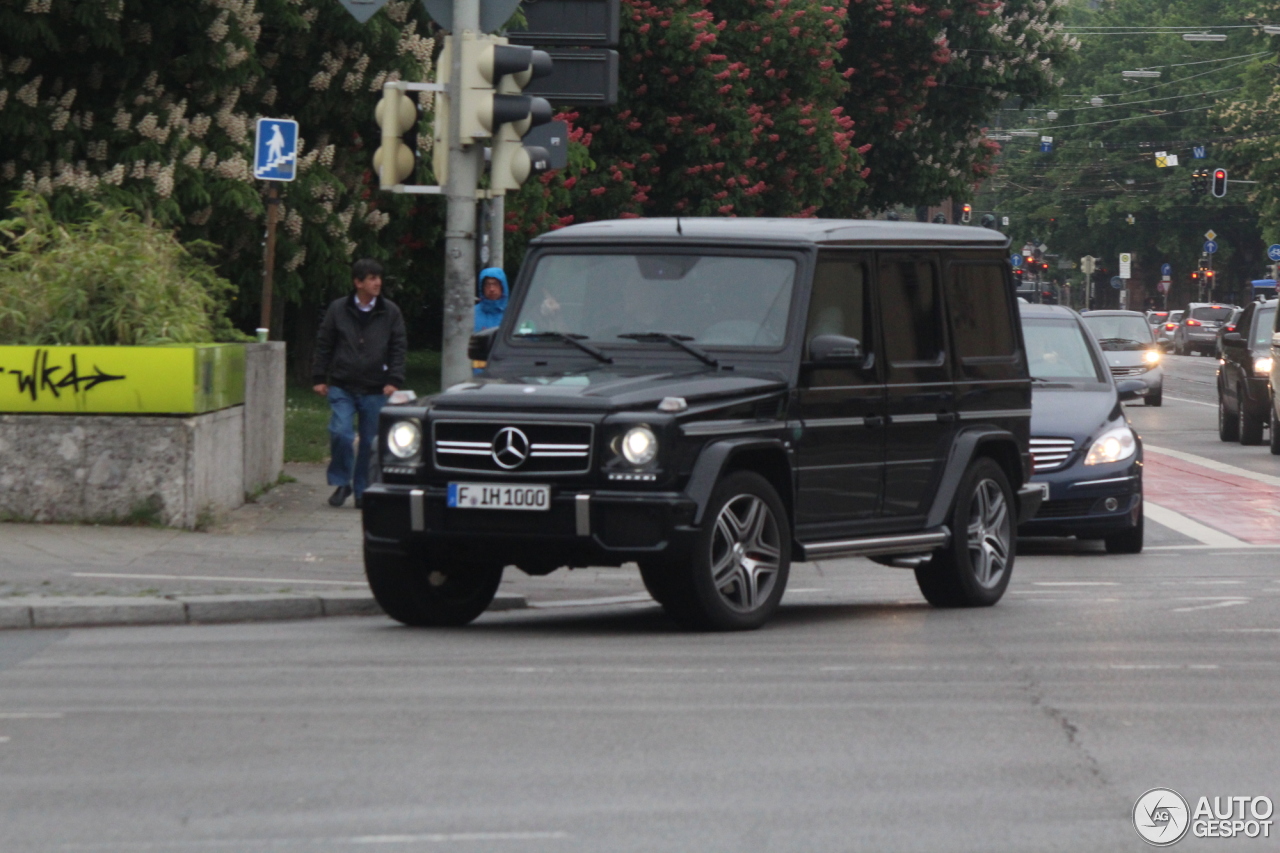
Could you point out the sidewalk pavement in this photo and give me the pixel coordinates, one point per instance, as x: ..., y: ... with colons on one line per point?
x: 288, y: 555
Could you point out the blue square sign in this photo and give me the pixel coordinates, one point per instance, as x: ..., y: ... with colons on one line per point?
x: 275, y: 150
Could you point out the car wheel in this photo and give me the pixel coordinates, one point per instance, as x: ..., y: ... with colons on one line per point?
x: 419, y: 592
x: 738, y: 570
x: 1275, y: 429
x: 1126, y: 541
x: 656, y: 575
x: 1250, y: 427
x: 1156, y: 399
x: 974, y: 569
x: 1228, y: 423
x: 1179, y: 349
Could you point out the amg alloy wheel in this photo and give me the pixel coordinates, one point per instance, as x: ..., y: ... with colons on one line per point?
x: 740, y: 562
x: 974, y: 569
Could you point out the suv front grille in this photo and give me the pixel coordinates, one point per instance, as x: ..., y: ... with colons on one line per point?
x: 1129, y: 371
x: 512, y: 448
x: 1050, y: 453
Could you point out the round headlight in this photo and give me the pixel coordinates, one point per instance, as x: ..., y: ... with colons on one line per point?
x: 404, y: 439
x: 1151, y: 357
x: 639, y: 445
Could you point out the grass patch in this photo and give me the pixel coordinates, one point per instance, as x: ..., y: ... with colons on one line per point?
x: 306, y: 414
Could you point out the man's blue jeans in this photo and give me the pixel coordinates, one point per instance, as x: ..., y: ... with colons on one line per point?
x: 342, y: 434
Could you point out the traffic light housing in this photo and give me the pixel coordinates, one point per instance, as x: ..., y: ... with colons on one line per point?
x: 396, y: 158
x: 1200, y: 181
x: 989, y: 221
x: 1208, y: 278
x: 1219, y: 183
x: 966, y: 213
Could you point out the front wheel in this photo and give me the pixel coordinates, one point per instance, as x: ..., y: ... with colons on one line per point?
x: 1126, y: 541
x: 974, y: 569
x: 1228, y: 423
x: 1250, y: 428
x: 1275, y: 430
x: 738, y: 570
x: 1155, y: 399
x: 426, y: 593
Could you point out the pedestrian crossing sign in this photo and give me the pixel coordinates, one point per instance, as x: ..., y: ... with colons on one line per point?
x: 276, y: 150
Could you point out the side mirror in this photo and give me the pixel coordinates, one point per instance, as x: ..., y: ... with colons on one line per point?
x: 1131, y: 389
x: 835, y: 349
x: 481, y: 344
x: 1233, y: 339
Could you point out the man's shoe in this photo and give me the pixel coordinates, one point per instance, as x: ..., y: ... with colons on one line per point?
x: 339, y: 496
x: 359, y: 501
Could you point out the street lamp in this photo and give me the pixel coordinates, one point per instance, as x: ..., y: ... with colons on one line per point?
x: 1051, y: 115
x: 1204, y: 37
x: 1096, y: 101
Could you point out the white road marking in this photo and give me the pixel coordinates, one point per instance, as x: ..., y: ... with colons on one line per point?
x: 1242, y: 548
x: 1185, y: 400
x: 806, y: 589
x: 447, y: 837
x: 1162, y: 666
x: 354, y: 583
x: 1180, y: 523
x: 29, y: 715
x: 1249, y: 630
x: 640, y: 598
x: 1233, y: 602
x: 1215, y: 465
x: 4, y: 740
x: 1076, y: 583
x: 1201, y: 583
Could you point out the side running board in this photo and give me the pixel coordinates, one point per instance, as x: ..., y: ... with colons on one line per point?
x: 874, y: 546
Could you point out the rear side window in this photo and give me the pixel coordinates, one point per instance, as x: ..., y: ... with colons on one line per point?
x: 912, y: 310
x: 978, y: 303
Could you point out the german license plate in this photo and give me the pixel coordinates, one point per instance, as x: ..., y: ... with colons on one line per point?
x: 498, y: 496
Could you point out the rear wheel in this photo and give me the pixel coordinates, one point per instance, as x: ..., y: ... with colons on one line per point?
x: 424, y: 593
x: 1275, y: 430
x: 1228, y: 423
x: 1250, y: 427
x: 738, y: 570
x: 1126, y: 541
x: 974, y: 569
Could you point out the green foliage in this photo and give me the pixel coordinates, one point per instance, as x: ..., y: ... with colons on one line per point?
x: 108, y: 279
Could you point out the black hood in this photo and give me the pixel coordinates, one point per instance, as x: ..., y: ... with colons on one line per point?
x: 606, y: 389
x: 1072, y: 411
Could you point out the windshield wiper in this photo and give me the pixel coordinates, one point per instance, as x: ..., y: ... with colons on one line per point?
x: 570, y: 338
x: 678, y: 340
x: 1120, y: 341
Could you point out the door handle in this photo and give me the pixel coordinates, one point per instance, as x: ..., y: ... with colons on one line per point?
x: 947, y: 417
x: 873, y: 421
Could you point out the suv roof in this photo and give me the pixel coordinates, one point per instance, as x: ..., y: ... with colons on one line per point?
x: 1113, y: 312
x: 754, y: 231
x: 1060, y: 311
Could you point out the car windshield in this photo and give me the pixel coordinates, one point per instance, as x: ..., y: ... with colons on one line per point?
x: 706, y: 300
x: 1057, y: 349
x: 1262, y: 329
x: 1213, y: 314
x: 1119, y: 332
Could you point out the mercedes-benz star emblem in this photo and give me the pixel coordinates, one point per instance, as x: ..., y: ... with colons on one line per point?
x: 510, y: 448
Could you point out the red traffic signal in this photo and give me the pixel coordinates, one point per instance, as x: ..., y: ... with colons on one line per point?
x: 966, y: 213
x: 1219, y: 183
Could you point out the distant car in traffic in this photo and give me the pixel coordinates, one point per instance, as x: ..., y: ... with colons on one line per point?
x: 1130, y: 349
x: 1229, y: 326
x: 1164, y: 335
x: 1244, y: 376
x: 1156, y: 318
x: 1085, y: 456
x: 1197, y: 332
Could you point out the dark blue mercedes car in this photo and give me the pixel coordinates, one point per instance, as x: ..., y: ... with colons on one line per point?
x: 1087, y: 458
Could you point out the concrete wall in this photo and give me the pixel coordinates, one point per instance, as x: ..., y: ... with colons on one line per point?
x: 103, y: 468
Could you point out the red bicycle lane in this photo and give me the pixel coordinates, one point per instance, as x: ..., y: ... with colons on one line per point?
x: 1236, y: 505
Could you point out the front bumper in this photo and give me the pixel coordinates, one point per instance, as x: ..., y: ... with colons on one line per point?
x: 582, y: 527
x: 1079, y: 497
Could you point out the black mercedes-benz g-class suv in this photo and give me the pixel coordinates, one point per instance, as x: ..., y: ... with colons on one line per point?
x: 711, y: 399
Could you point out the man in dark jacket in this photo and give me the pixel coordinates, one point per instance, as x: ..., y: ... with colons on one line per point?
x: 360, y: 357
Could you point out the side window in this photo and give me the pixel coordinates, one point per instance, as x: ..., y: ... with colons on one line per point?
x: 981, y: 322
x: 840, y: 304
x: 912, y: 310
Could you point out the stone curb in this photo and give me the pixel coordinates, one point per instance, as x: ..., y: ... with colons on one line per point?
x: 95, y: 611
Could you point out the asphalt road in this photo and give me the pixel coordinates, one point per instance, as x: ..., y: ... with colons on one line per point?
x: 860, y: 719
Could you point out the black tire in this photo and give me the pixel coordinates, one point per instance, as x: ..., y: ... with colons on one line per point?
x: 656, y: 575
x: 1250, y: 426
x: 1156, y: 399
x: 1228, y: 423
x: 1127, y: 541
x: 1179, y: 349
x: 1275, y: 430
x: 974, y: 569
x: 420, y: 593
x: 738, y: 568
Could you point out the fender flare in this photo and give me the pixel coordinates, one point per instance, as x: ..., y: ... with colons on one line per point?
x: 712, y: 461
x: 963, y: 450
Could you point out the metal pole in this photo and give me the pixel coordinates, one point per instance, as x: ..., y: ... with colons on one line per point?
x: 497, y: 230
x: 459, y: 238
x: 269, y: 255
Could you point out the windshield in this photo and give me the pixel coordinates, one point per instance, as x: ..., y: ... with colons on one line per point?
x: 1262, y: 329
x: 1118, y: 332
x: 1214, y: 314
x: 708, y: 300
x: 1057, y: 349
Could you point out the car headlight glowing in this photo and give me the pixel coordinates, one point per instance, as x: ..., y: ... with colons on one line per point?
x: 404, y: 439
x: 1112, y: 446
x: 639, y: 445
x: 1151, y: 357
x: 1262, y: 366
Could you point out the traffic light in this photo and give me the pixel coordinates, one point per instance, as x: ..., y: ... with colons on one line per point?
x: 989, y: 221
x: 1200, y: 181
x: 1195, y: 277
x: 1208, y: 278
x: 966, y: 213
x: 397, y: 156
x: 1219, y: 183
